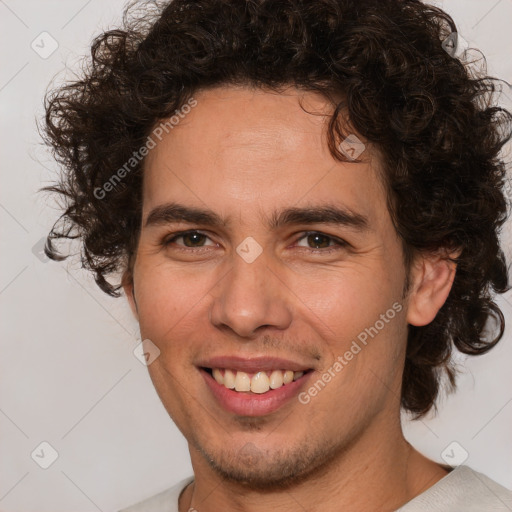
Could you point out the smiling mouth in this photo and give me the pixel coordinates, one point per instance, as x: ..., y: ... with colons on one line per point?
x: 254, y: 383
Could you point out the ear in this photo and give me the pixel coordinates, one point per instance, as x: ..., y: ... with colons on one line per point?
x: 432, y: 277
x: 129, y: 290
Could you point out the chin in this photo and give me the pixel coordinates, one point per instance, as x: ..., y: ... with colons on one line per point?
x: 267, y: 469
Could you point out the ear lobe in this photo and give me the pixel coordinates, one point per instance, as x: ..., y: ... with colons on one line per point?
x: 432, y: 279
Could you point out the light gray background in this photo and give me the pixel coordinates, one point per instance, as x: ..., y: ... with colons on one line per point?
x: 68, y: 373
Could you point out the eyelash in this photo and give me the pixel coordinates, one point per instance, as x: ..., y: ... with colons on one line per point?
x: 339, y: 244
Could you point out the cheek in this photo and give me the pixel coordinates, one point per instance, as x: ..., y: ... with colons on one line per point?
x: 347, y: 300
x: 168, y: 300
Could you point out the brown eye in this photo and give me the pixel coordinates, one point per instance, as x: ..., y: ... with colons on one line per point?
x: 318, y: 240
x: 193, y: 239
x: 190, y: 239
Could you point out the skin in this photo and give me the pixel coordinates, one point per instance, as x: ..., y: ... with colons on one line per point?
x: 244, y: 154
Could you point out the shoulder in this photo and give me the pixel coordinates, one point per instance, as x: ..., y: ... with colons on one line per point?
x: 166, y: 501
x: 462, y: 489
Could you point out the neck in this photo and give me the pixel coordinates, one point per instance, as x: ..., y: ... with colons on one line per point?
x: 382, y: 475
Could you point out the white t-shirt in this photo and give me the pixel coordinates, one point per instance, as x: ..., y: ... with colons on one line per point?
x: 462, y: 490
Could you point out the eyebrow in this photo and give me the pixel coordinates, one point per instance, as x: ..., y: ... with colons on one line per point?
x: 325, y: 214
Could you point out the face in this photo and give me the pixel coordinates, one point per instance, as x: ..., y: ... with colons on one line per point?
x: 261, y: 255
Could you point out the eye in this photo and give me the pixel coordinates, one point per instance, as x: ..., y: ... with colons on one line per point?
x: 190, y: 239
x: 318, y: 242
x: 314, y: 241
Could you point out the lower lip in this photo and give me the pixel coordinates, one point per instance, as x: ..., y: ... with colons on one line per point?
x: 253, y: 404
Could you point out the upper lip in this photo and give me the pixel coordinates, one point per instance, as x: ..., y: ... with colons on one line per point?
x: 253, y: 364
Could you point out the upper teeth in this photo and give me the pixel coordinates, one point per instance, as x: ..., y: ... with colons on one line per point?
x: 259, y: 382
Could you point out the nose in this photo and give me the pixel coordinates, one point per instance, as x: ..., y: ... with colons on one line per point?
x: 251, y: 298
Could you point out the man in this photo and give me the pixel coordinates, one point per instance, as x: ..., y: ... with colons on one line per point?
x: 304, y: 201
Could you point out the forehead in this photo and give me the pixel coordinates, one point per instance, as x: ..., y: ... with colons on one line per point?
x: 260, y: 149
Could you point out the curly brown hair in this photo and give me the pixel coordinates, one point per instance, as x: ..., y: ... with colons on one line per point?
x: 432, y: 118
